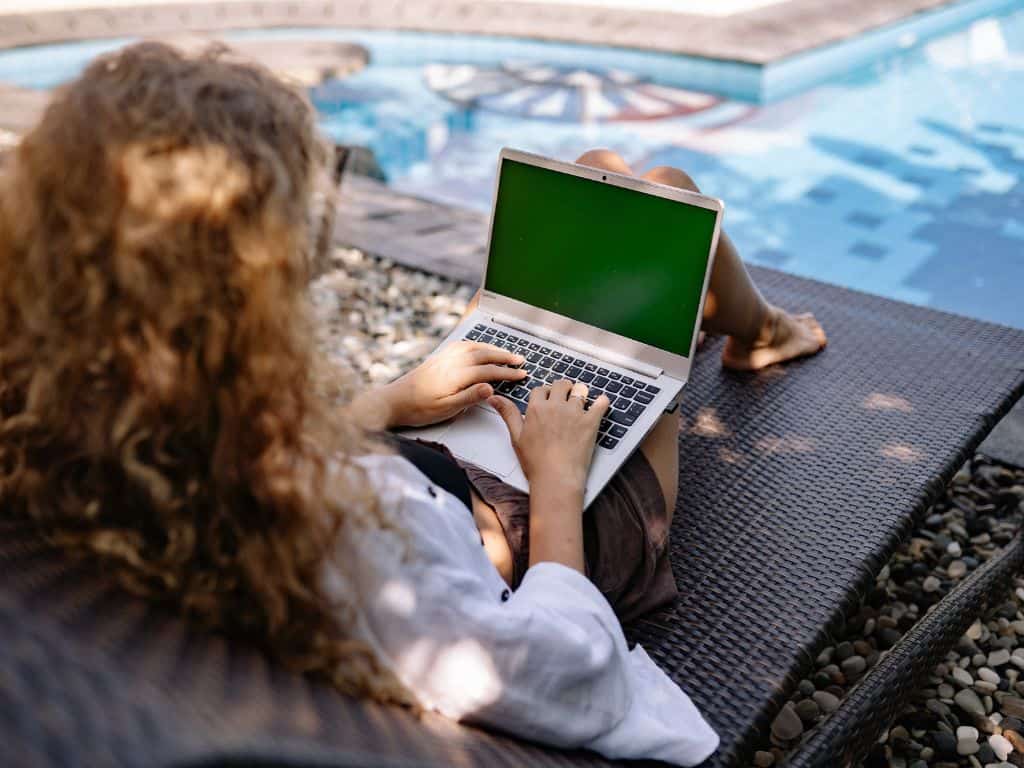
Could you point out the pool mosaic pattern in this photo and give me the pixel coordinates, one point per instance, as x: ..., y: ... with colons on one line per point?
x: 905, y: 178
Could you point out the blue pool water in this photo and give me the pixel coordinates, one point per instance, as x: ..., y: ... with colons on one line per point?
x: 904, y: 178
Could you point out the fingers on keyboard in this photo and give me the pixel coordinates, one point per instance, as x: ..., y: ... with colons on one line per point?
x: 627, y: 397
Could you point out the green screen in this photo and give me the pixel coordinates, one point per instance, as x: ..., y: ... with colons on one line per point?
x: 627, y: 262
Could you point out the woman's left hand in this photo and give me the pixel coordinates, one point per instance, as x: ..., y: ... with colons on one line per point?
x: 456, y: 378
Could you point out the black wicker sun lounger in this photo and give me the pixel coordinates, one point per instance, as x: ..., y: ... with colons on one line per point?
x: 798, y: 483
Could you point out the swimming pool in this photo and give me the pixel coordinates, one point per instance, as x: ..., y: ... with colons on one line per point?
x: 904, y: 178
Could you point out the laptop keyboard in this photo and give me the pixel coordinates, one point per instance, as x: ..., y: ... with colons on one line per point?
x: 546, y: 363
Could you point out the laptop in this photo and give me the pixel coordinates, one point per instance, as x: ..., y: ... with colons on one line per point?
x: 591, y: 276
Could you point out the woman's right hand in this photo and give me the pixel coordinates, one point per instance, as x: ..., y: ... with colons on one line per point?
x: 555, y: 440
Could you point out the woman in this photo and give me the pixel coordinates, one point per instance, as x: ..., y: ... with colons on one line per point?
x: 161, y: 412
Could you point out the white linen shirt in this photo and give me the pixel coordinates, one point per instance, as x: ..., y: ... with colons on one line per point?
x: 548, y: 662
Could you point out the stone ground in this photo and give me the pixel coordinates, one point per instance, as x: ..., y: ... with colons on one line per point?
x: 756, y: 32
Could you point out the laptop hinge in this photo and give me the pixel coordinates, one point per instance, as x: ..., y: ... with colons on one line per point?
x: 582, y: 347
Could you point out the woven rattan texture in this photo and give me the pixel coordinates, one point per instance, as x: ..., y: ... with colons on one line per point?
x: 796, y: 483
x: 851, y: 732
x: 90, y: 676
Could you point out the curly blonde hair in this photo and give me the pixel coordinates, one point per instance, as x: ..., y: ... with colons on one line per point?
x: 158, y: 399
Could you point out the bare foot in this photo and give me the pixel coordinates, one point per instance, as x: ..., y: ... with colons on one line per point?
x: 783, y: 337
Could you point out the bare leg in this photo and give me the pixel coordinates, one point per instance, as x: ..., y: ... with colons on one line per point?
x: 759, y: 333
x: 661, y: 449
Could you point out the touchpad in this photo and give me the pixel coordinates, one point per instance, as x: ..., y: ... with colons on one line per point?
x: 481, y: 437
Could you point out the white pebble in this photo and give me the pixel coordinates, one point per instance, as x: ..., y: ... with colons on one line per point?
x: 965, y: 732
x: 988, y: 675
x: 963, y: 677
x: 998, y: 657
x: 1000, y: 745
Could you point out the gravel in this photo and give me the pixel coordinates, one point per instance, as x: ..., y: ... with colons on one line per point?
x: 376, y: 320
x: 970, y: 710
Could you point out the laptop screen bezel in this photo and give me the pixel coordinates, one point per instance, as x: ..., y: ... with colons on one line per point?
x: 492, y: 303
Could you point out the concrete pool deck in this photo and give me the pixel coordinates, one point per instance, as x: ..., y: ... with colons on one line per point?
x: 755, y: 32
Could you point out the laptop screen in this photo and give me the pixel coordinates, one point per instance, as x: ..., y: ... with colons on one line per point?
x: 620, y: 260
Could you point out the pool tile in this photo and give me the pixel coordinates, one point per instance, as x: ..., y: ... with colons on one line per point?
x: 864, y: 220
x: 918, y: 180
x: 772, y: 257
x: 821, y: 195
x: 868, y: 251
x: 871, y: 159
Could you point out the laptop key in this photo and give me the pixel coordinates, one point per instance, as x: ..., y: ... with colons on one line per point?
x: 501, y: 335
x: 617, y: 430
x: 652, y: 389
x: 600, y: 381
x: 479, y: 327
x: 520, y: 393
x: 628, y: 391
x: 602, y: 371
x: 534, y: 383
x: 627, y: 380
x: 586, y: 377
x: 559, y: 367
x: 595, y: 393
x: 590, y: 367
x: 512, y: 338
x: 545, y: 350
x: 621, y: 404
x: 621, y: 417
x: 534, y: 346
x: 608, y: 442
x: 643, y: 397
x: 486, y: 339
x: 635, y: 410
x: 613, y: 386
x: 552, y: 378
x: 557, y: 355
x: 535, y: 357
x: 521, y: 406
x: 547, y: 362
x: 615, y: 375
x: 574, y: 372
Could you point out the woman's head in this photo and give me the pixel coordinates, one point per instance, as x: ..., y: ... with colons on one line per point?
x: 157, y: 403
